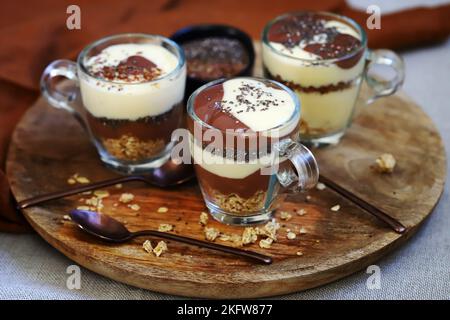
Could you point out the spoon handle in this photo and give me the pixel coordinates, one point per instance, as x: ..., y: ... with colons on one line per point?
x: 79, y: 189
x: 213, y: 246
x: 393, y: 223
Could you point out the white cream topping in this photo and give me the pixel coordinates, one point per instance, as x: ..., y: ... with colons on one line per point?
x: 132, y: 101
x: 298, y: 50
x: 304, y: 73
x: 257, y: 105
x: 306, y: 69
x: 295, y: 52
x: 113, y: 55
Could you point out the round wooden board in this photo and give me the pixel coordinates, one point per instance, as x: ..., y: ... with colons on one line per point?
x: 48, y: 146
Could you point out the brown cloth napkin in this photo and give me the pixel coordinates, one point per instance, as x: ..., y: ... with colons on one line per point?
x: 33, y: 33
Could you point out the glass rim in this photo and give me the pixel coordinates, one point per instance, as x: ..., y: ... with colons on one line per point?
x: 348, y: 20
x: 294, y: 117
x: 181, y: 58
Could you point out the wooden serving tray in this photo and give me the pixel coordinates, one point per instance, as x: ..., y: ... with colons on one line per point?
x: 48, y: 146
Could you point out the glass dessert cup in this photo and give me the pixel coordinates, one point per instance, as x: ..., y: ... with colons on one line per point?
x: 129, y: 119
x: 243, y: 174
x: 327, y: 87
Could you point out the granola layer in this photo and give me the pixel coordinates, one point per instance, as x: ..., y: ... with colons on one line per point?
x: 130, y: 148
x: 238, y: 205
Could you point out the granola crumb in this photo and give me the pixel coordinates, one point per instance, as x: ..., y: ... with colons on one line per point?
x: 203, y: 218
x: 320, y: 186
x: 165, y: 227
x: 266, y: 243
x: 234, y: 238
x: 308, y: 198
x: 71, y: 181
x: 249, y: 235
x: 160, y: 248
x: 95, y: 203
x: 134, y: 207
x: 147, y: 245
x: 126, y: 197
x: 335, y: 208
x: 163, y: 209
x: 301, y: 212
x: 299, y: 253
x: 118, y: 186
x: 82, y: 180
x: 302, y: 230
x: 115, y: 204
x: 284, y: 215
x: 291, y: 235
x: 67, y: 217
x: 269, y: 230
x: 101, y: 194
x: 385, y: 163
x: 211, y: 234
x: 225, y: 237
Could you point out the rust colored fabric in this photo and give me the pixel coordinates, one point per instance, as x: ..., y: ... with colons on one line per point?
x: 33, y: 33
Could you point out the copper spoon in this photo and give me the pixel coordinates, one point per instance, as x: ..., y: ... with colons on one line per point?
x: 109, y: 229
x: 169, y: 174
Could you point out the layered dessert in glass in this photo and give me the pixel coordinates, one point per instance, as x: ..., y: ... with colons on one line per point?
x: 133, y: 92
x: 321, y: 57
x: 236, y: 127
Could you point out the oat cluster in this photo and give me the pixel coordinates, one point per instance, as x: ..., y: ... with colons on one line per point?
x: 160, y: 248
x: 385, y: 163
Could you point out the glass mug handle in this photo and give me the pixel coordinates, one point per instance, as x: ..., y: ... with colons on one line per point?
x: 383, y: 88
x: 306, y: 173
x: 61, y: 99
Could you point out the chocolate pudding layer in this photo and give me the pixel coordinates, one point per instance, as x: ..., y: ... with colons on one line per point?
x: 242, y: 119
x: 321, y: 57
x: 133, y: 99
x: 214, y: 58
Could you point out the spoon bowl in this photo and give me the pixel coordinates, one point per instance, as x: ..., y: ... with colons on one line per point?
x: 100, y: 225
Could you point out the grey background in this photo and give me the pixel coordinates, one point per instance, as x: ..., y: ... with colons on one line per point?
x: 32, y: 269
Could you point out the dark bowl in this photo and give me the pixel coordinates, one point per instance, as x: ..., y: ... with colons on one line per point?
x: 214, y: 30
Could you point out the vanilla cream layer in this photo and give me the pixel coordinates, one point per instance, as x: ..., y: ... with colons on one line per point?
x: 303, y: 72
x: 228, y: 168
x: 260, y: 118
x: 131, y: 101
x: 329, y: 112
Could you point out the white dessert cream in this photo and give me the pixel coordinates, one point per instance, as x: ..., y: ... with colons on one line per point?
x: 322, y: 59
x: 131, y: 97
